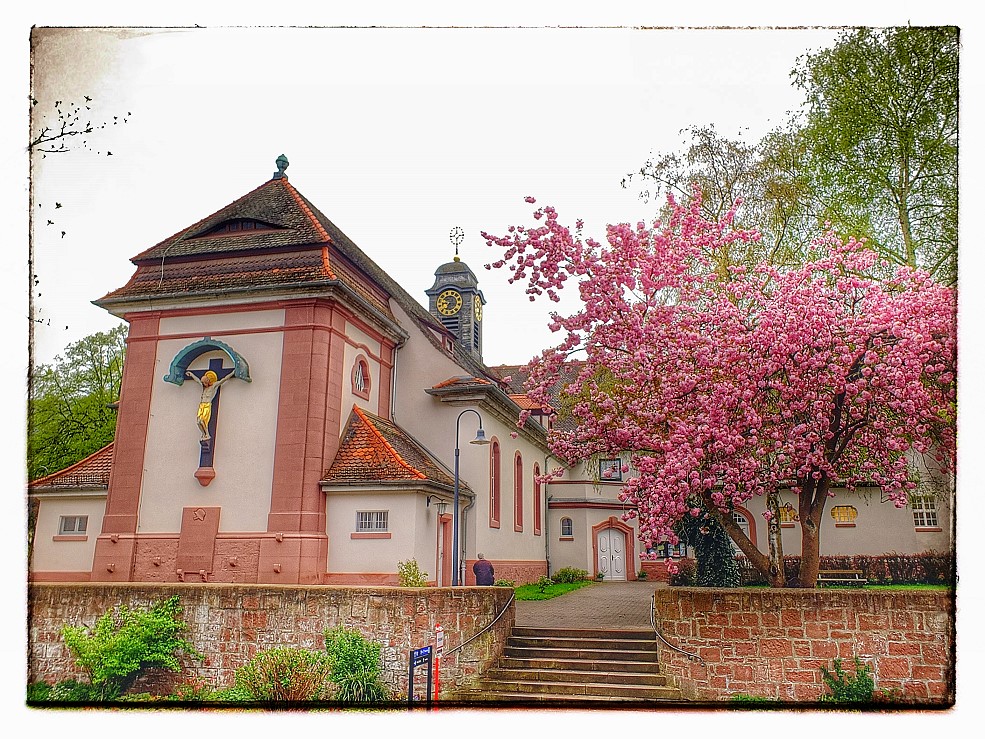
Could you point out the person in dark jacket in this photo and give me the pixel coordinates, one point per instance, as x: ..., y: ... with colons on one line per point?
x: 483, y: 569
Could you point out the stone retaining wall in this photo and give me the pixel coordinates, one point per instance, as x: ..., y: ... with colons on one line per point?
x: 231, y: 623
x: 773, y: 642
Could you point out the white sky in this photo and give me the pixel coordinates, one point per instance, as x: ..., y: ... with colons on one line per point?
x: 397, y: 135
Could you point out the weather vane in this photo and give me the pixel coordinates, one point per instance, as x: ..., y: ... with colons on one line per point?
x: 456, y: 235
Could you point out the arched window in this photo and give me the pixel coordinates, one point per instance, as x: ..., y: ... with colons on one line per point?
x: 743, y: 522
x: 518, y: 492
x: 361, y: 378
x: 495, y: 472
x: 567, y: 528
x: 844, y: 515
x: 537, y: 514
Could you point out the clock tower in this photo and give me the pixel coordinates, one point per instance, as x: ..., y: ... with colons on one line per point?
x: 456, y: 301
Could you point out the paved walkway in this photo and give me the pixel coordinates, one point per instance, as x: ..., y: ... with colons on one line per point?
x: 607, y: 605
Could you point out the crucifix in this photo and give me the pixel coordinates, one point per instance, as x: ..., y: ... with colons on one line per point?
x: 207, y: 416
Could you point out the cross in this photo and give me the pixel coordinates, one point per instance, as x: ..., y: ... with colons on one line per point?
x: 221, y: 373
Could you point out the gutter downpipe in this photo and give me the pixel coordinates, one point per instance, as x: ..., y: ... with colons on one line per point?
x: 465, y: 528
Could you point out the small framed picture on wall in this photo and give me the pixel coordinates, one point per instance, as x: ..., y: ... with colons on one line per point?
x: 610, y: 470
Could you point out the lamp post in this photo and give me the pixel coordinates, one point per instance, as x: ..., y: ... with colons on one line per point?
x: 480, y: 438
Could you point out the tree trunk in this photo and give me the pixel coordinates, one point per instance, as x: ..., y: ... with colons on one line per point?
x: 813, y: 496
x: 774, y: 537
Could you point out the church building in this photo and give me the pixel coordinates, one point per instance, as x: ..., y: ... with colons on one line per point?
x: 290, y: 414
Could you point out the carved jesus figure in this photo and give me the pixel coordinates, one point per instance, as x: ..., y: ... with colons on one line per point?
x: 210, y: 386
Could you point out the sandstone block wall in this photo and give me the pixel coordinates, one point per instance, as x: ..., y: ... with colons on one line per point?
x: 231, y: 623
x: 773, y: 642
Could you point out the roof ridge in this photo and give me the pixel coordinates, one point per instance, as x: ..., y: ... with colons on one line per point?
x: 315, y: 222
x: 403, y: 462
x: 71, y: 467
x: 197, y: 223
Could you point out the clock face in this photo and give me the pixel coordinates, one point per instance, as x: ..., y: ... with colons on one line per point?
x: 449, y: 302
x: 477, y: 305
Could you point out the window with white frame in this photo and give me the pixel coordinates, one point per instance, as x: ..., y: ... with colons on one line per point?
x: 567, y: 529
x: 73, y: 525
x: 371, y: 521
x: 360, y: 378
x: 924, y: 512
x: 743, y: 523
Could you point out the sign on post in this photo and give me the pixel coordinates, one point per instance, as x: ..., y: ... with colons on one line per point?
x: 439, y: 648
x: 419, y: 657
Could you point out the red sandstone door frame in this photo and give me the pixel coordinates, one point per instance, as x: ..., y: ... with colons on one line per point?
x: 443, y: 551
x: 628, y: 540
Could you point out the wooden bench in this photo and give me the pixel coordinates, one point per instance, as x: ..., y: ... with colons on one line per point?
x: 840, y: 577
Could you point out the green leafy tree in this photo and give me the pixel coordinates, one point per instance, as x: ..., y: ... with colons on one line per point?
x: 126, y: 641
x: 69, y: 415
x: 767, y: 177
x: 882, y: 135
x: 874, y: 153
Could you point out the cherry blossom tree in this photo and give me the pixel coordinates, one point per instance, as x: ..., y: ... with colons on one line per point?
x: 727, y: 386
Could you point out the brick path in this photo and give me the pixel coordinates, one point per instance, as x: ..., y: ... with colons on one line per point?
x: 609, y: 604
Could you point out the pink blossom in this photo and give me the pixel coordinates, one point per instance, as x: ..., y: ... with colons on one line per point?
x: 809, y: 376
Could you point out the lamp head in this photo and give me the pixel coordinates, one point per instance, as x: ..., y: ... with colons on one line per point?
x: 480, y: 437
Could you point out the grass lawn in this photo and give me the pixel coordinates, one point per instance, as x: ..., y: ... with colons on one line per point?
x: 533, y: 591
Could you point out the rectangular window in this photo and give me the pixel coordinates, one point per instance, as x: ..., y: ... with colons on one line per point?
x: 924, y: 512
x: 371, y: 521
x: 73, y: 525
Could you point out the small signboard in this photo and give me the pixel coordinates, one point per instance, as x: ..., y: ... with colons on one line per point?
x: 418, y: 658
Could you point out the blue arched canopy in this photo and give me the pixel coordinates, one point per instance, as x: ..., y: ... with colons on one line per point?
x: 181, y: 361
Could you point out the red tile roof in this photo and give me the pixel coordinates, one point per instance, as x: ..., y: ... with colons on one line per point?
x: 91, y: 472
x: 461, y: 380
x: 373, y: 449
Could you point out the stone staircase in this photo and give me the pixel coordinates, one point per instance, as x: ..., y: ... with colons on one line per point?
x: 575, y: 668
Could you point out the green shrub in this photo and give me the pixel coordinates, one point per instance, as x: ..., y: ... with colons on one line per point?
x: 642, y: 575
x: 544, y: 583
x: 570, y: 574
x: 73, y: 691
x: 751, y: 701
x: 716, y: 566
x: 126, y: 641
x: 234, y: 694
x: 505, y: 583
x: 39, y: 692
x: 410, y: 575
x: 845, y: 688
x: 355, y: 667
x: 926, y: 568
x: 286, y: 674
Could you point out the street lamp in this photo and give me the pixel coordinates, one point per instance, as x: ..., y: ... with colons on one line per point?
x: 480, y: 438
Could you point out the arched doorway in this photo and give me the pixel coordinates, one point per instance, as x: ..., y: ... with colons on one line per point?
x: 615, y: 555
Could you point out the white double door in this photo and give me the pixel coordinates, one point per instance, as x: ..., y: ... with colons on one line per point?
x: 612, y: 555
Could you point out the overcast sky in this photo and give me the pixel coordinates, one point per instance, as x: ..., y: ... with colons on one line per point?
x: 396, y: 134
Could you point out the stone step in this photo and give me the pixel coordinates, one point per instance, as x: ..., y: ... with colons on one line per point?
x: 567, y: 642
x: 586, y: 665
x: 619, y: 634
x: 506, y: 672
x: 577, y: 702
x: 579, y: 653
x: 589, y: 689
